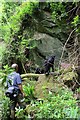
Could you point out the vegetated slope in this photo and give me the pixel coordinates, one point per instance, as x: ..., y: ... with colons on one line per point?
x: 54, y: 93
x: 38, y: 30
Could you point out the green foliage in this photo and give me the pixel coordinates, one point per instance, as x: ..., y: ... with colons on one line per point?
x: 5, y: 32
x: 29, y: 43
x: 5, y: 108
x: 58, y: 11
x: 29, y: 92
x: 8, y: 10
x: 76, y: 22
x: 20, y: 114
x: 78, y: 90
x: 3, y: 73
x: 24, y: 9
x: 25, y: 42
x: 2, y: 49
x: 11, y: 53
x: 29, y: 95
x: 13, y: 15
x: 56, y: 106
x: 59, y: 105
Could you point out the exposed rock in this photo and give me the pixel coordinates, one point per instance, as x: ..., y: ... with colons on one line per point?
x: 46, y: 84
x: 47, y: 36
x: 46, y: 46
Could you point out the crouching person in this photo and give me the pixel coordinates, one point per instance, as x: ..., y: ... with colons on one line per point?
x: 15, y: 90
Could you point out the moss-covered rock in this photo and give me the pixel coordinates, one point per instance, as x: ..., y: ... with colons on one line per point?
x: 69, y: 76
x: 46, y: 46
x: 46, y: 84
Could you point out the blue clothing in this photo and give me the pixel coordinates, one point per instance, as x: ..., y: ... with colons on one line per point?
x: 14, y: 79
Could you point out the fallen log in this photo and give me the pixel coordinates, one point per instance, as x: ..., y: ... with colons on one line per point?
x: 37, y: 75
x: 30, y: 75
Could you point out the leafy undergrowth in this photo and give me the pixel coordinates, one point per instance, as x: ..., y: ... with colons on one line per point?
x: 46, y: 84
x: 46, y: 98
x: 60, y: 105
x: 2, y: 48
x: 51, y: 99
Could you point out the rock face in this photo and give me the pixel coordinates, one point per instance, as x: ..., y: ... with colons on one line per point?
x: 47, y: 36
x: 46, y: 46
x: 42, y: 31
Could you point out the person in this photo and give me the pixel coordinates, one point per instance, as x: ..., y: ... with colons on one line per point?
x: 14, y: 79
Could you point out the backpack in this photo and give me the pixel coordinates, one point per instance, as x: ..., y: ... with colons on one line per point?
x: 12, y: 92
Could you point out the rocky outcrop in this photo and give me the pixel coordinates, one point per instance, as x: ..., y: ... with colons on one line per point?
x: 47, y: 36
x: 46, y: 46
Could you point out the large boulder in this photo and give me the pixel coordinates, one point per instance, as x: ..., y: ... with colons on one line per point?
x: 45, y: 47
x: 47, y: 37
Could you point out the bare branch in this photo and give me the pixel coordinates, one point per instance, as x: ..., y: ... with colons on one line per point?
x: 66, y: 44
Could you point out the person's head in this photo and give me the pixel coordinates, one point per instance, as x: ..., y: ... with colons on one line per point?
x: 15, y: 67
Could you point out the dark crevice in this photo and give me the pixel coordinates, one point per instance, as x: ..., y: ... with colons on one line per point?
x: 40, y: 54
